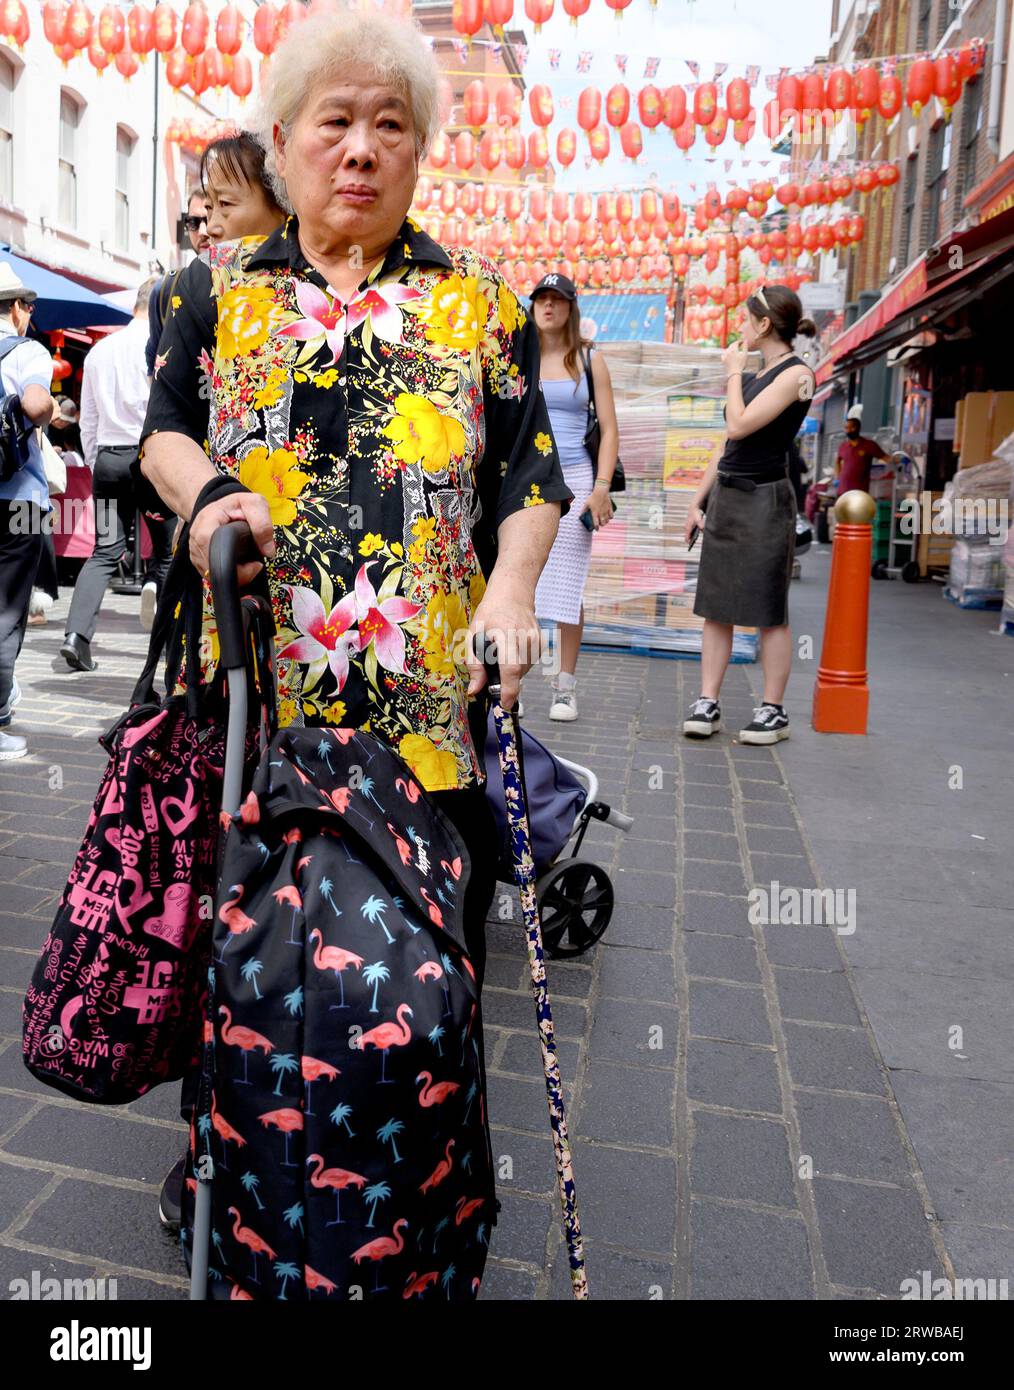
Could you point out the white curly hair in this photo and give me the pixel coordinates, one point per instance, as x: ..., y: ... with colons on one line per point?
x: 325, y: 46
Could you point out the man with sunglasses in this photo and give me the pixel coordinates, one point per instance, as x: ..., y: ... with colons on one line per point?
x: 195, y: 224
x: 26, y: 371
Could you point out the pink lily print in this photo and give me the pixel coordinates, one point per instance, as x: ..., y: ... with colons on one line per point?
x: 379, y: 303
x: 322, y: 318
x: 378, y: 622
x: 324, y: 637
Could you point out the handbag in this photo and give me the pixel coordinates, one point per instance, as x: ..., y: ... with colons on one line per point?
x: 593, y: 434
x: 54, y: 466
x: 115, y: 1003
x: 14, y: 430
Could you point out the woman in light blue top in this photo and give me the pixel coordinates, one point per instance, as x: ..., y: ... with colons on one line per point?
x: 560, y: 592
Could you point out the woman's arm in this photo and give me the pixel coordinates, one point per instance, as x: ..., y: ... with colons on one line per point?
x: 695, y: 516
x: 605, y: 409
x: 787, y: 387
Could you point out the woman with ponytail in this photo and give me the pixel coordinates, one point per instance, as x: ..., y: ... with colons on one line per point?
x: 749, y: 532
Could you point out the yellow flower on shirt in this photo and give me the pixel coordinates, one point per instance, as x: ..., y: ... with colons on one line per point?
x: 535, y: 497
x: 435, y: 768
x: 246, y: 316
x: 277, y: 477
x: 445, y: 616
x: 507, y: 307
x: 371, y: 543
x: 455, y: 313
x: 543, y: 443
x: 423, y: 434
x: 424, y: 528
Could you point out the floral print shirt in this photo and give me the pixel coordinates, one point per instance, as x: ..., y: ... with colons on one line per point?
x: 391, y: 435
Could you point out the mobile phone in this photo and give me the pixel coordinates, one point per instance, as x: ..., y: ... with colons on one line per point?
x: 587, y: 522
x: 695, y: 532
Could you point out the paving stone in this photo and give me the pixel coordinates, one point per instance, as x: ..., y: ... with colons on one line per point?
x: 768, y: 814
x: 763, y: 839
x: 628, y: 973
x: 627, y: 1198
x: 755, y: 769
x: 16, y: 968
x: 10, y: 1012
x: 523, y: 1054
x: 567, y: 979
x: 23, y: 1264
x: 981, y: 1252
x: 708, y: 818
x: 501, y: 1282
x: 709, y: 795
x: 647, y: 854
x: 24, y: 899
x: 18, y: 1186
x: 741, y: 1254
x: 612, y: 1276
x: 873, y: 1237
x: 832, y: 1059
x: 735, y: 1013
x: 740, y: 1157
x: 100, y: 1143
x: 523, y: 1162
x: 105, y: 1222
x: 721, y: 957
x: 788, y: 870
x: 518, y: 1011
x: 850, y: 1136
x: 733, y: 1075
x: 809, y: 948
x: 521, y: 1229
x: 627, y: 1105
x: 819, y: 996
x: 637, y: 926
x: 634, y: 887
x: 504, y: 972
x: 517, y: 1104
x: 767, y: 792
x: 148, y: 1291
x: 713, y: 878
x: 713, y: 912
x: 702, y: 844
x: 657, y: 828
x: 715, y: 774
x: 634, y: 1033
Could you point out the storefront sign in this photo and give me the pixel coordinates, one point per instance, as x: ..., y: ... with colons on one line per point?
x: 943, y: 427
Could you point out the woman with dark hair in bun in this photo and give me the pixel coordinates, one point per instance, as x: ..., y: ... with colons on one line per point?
x: 746, y: 555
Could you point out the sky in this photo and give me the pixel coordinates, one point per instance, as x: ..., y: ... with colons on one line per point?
x: 771, y: 33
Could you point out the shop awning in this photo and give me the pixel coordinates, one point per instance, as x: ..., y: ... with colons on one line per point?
x: 61, y: 303
x: 932, y: 286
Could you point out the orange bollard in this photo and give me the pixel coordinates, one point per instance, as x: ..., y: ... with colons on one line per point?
x: 841, y: 696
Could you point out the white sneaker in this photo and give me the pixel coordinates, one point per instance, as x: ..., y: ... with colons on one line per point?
x: 11, y: 746
x: 704, y: 719
x: 149, y: 602
x: 14, y: 699
x: 564, y: 706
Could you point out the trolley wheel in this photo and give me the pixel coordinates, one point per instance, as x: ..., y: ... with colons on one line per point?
x: 910, y: 572
x: 879, y: 570
x: 575, y: 904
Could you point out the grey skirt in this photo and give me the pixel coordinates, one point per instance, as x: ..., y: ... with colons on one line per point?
x: 746, y: 555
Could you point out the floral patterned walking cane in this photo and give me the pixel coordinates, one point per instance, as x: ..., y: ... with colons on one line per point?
x: 508, y: 738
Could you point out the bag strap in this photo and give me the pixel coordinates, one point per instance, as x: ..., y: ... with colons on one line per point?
x: 586, y: 359
x: 8, y: 344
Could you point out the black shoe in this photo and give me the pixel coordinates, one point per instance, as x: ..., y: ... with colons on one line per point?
x: 770, y: 723
x: 704, y: 719
x: 171, y: 1197
x: 77, y: 652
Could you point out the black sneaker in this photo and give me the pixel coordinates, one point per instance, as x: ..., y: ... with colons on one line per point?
x: 704, y: 719
x: 770, y: 724
x: 170, y: 1199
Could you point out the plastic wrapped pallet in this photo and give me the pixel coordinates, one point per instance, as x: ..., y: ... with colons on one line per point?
x: 977, y: 577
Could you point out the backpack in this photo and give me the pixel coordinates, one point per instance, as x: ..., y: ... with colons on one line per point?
x: 15, y: 431
x: 342, y: 1105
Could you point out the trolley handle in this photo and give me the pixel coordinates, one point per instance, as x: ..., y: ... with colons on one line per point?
x: 232, y: 544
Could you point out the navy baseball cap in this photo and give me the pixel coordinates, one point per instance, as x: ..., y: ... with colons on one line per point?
x: 559, y: 283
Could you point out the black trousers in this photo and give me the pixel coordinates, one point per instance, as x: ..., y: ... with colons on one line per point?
x: 115, y: 508
x: 46, y: 575
x: 20, y: 546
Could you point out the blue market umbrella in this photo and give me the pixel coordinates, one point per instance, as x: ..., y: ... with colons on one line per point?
x: 61, y: 303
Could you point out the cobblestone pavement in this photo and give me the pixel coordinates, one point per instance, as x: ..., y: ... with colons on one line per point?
x: 735, y: 1130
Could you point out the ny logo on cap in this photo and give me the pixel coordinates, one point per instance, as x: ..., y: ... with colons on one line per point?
x: 551, y: 279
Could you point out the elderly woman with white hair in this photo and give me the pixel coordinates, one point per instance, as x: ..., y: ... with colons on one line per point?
x: 373, y: 401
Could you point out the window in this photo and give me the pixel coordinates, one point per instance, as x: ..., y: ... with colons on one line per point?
x: 125, y: 143
x: 70, y: 120
x: 924, y: 25
x: 908, y: 211
x: 936, y: 179
x: 971, y: 124
x: 6, y: 129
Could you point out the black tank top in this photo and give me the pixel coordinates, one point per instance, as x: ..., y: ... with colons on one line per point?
x: 768, y: 447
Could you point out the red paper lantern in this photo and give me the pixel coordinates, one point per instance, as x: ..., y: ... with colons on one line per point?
x: 841, y: 186
x: 712, y: 204
x: 649, y: 106
x: 890, y: 99
x: 630, y: 139
x: 440, y: 151
x: 866, y: 91
x: 499, y: 12
x: 467, y: 17
x: 970, y: 59
x: 54, y: 22
x: 540, y: 102
x: 582, y: 206
x: 762, y: 191
x: 476, y: 104
x: 127, y: 64
x: 199, y: 75
x: 508, y: 105
x: 840, y: 94
x: 764, y: 255
x: 888, y: 174
x: 97, y: 55
x: 670, y: 206
x: 292, y: 12
x: 737, y: 199
x: 681, y: 263
x: 537, y: 204
x: 566, y: 147
x: 756, y: 240
x: 215, y: 69
x: 617, y: 105
x: 177, y: 69
x: 674, y: 107
x: 649, y: 205
x: 589, y: 109
x: 811, y: 93
x: 778, y: 243
x: 629, y: 268
x: 598, y: 143
x: 857, y: 227
x: 539, y: 12
x: 705, y: 103
x: 79, y: 25
x: 490, y: 150
x: 755, y: 209
x: 112, y: 32
x: 265, y: 29
x: 448, y: 197
x: 774, y: 118
x: 841, y: 231
x: 241, y: 77
x: 866, y: 180
x: 624, y: 208
x: 946, y: 81
x: 686, y: 135
x: 581, y: 272
x: 789, y: 95
x: 514, y: 149
x: 538, y: 149
x: 464, y: 150
x: 793, y: 236
x: 737, y: 99
x: 787, y: 194
x: 194, y: 35
x: 716, y: 132
x: 742, y: 131
x: 513, y: 204
x: 561, y: 205
x: 919, y: 86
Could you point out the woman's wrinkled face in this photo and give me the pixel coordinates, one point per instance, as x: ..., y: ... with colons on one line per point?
x: 350, y: 163
x: 237, y: 208
x: 552, y: 310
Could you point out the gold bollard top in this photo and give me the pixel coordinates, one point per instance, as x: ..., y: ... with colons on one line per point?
x: 855, y: 508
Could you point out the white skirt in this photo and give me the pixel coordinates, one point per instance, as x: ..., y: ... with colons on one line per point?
x: 560, y: 590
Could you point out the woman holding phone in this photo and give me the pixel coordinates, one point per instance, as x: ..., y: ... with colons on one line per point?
x: 749, y: 535
x: 564, y: 356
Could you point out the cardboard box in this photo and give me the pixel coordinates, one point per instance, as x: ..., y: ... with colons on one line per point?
x: 975, y: 421
x: 1001, y: 419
